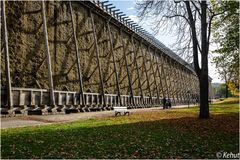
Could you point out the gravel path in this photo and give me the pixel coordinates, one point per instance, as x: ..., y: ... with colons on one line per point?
x: 22, y: 121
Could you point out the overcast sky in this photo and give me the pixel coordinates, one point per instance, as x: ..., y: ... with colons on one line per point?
x: 128, y: 7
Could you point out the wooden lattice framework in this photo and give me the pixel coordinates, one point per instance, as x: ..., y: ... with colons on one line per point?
x: 157, y: 70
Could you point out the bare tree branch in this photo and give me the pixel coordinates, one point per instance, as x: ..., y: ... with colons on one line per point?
x: 178, y: 15
x: 194, y: 40
x: 198, y: 10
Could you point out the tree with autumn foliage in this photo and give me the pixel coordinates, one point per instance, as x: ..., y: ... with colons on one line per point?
x: 226, y: 35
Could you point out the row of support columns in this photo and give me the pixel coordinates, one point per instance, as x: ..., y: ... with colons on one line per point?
x: 165, y: 84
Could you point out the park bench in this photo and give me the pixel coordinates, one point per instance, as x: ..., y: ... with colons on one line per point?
x: 119, y: 110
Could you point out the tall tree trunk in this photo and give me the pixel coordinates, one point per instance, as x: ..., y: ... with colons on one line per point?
x: 203, y: 72
x: 204, y: 106
x: 226, y: 93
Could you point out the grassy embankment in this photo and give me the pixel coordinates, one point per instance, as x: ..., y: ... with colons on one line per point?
x: 175, y: 133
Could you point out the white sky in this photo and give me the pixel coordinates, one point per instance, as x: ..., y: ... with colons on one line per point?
x: 127, y: 7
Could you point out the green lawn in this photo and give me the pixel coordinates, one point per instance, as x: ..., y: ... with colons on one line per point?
x: 175, y: 133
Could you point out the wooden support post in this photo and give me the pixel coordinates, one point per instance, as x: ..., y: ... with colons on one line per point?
x: 41, y: 98
x: 194, y: 88
x: 145, y: 68
x: 136, y: 64
x: 197, y: 88
x: 191, y: 86
x: 114, y: 63
x: 179, y: 85
x: 160, y: 76
x: 7, y: 62
x: 197, y: 84
x: 194, y: 84
x: 77, y: 55
x: 175, y: 81
x: 165, y: 79
x: 183, y: 84
x: 126, y: 64
x: 98, y: 61
x: 169, y: 78
x: 174, y: 77
x: 179, y: 82
x: 168, y: 60
x: 187, y: 84
x: 154, y: 75
x: 52, y: 98
x: 170, y: 73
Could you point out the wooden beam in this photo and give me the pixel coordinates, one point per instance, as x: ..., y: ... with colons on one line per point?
x: 98, y: 61
x: 159, y: 75
x: 163, y: 72
x: 182, y: 83
x: 136, y: 64
x: 171, y: 79
x: 7, y: 62
x: 178, y: 82
x: 126, y: 65
x: 77, y: 56
x: 145, y: 68
x: 154, y: 75
x: 50, y: 79
x: 114, y: 63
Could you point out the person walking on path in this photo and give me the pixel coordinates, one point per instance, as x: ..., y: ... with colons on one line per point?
x: 169, y: 103
x: 164, y: 102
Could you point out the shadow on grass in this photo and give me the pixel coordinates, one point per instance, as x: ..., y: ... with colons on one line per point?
x: 225, y: 102
x: 185, y: 137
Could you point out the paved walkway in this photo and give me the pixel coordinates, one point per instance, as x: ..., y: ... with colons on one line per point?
x: 22, y: 121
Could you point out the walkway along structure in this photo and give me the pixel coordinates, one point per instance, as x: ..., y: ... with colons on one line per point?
x: 84, y: 56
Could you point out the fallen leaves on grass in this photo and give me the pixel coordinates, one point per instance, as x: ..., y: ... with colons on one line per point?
x: 155, y: 134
